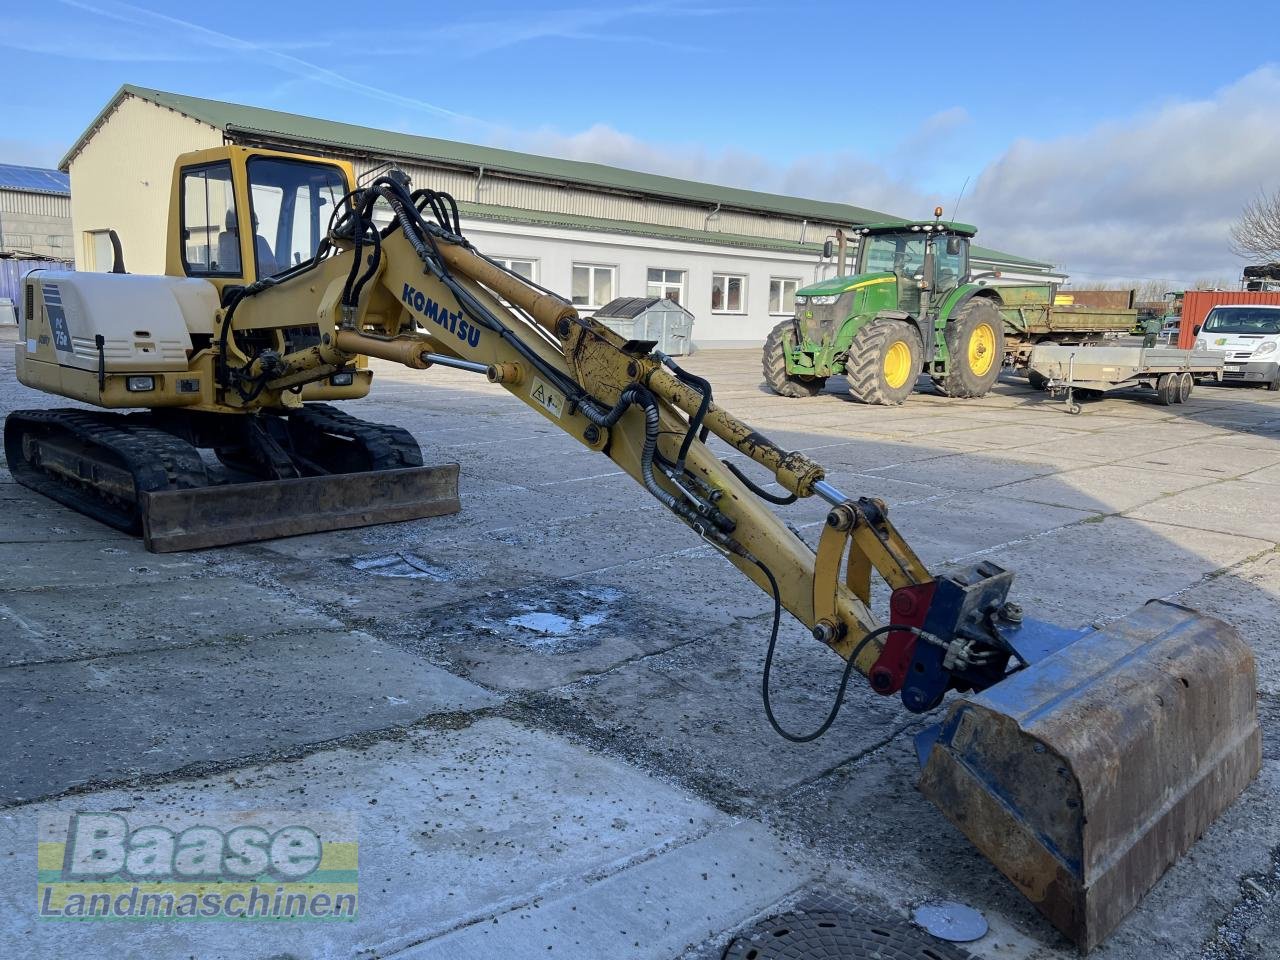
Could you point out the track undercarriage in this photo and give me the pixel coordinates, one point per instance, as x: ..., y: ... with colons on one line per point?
x: 117, y: 467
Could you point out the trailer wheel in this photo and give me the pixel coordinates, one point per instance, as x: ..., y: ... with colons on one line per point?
x: 1167, y: 389
x: 1186, y: 383
x: 774, y: 361
x: 975, y: 345
x: 884, y: 362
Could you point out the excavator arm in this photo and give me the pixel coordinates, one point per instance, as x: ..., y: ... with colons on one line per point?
x: 429, y: 298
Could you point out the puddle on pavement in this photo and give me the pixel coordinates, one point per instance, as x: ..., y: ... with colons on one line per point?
x: 401, y: 564
x: 554, y: 621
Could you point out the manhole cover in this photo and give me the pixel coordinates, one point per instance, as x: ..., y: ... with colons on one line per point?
x: 951, y: 921
x: 838, y: 935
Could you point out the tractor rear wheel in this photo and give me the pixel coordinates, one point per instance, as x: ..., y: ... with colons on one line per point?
x: 775, y: 368
x: 884, y: 360
x: 975, y: 346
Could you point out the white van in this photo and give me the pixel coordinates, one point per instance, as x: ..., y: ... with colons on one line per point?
x: 1249, y: 336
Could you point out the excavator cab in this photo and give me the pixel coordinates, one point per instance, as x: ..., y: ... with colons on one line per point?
x: 238, y: 215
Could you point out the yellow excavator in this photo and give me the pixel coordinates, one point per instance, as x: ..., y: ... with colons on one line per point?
x: 1082, y: 763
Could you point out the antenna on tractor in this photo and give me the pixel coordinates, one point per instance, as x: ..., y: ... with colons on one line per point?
x: 955, y: 207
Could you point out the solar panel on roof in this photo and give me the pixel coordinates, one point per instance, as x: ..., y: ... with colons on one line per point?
x: 37, y: 179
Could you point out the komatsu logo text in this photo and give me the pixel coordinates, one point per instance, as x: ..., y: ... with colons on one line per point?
x: 441, y: 316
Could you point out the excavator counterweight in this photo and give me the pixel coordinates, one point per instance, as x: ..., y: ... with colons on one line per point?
x: 1082, y: 763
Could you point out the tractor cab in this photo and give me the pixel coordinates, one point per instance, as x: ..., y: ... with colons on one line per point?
x: 927, y: 260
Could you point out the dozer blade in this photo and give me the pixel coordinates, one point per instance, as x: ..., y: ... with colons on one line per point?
x: 1088, y: 774
x: 244, y: 512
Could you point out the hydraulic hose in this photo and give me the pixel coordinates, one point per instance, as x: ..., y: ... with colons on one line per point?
x: 844, y: 676
x: 759, y: 491
x: 632, y: 395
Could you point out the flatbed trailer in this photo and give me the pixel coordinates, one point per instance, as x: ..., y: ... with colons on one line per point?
x: 1167, y: 371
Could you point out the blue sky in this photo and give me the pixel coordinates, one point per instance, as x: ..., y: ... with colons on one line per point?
x: 891, y: 106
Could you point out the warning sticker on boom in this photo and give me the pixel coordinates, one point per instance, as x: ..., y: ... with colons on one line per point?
x: 551, y: 400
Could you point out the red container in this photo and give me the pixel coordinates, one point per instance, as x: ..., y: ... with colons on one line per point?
x: 1196, y: 305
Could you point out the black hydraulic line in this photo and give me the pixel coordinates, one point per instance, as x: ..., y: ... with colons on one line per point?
x: 695, y: 422
x: 758, y: 491
x: 844, y: 676
x: 636, y: 394
x: 372, y: 269
x: 224, y: 334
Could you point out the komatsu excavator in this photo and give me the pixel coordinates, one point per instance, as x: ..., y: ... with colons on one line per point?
x: 1081, y: 762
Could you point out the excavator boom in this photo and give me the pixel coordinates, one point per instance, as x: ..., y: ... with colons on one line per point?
x: 1081, y: 762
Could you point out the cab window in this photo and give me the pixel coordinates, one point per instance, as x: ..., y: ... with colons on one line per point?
x: 948, y: 268
x: 899, y: 253
x: 210, y: 228
x: 291, y: 203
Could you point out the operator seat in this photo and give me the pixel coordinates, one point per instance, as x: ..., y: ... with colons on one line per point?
x: 228, y: 246
x: 267, y: 265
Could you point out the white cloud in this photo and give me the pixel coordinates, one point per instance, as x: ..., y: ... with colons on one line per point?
x: 1152, y: 196
x: 840, y: 177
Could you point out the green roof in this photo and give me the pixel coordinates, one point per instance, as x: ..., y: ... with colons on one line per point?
x: 233, y: 119
x: 499, y: 214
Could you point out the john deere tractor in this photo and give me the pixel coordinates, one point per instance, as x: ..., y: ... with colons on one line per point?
x: 910, y: 306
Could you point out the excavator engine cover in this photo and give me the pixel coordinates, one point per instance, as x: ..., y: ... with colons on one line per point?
x: 1086, y: 775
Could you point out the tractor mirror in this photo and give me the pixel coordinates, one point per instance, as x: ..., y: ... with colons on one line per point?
x: 827, y: 249
x: 953, y: 246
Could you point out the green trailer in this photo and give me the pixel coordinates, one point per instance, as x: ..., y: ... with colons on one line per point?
x: 911, y: 306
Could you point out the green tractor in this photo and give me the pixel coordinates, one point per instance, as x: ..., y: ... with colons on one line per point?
x: 910, y: 306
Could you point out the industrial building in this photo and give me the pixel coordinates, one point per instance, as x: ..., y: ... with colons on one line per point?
x: 35, y: 228
x: 35, y: 213
x: 733, y: 257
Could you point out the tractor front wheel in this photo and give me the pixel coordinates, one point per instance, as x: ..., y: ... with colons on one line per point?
x: 975, y: 348
x: 884, y: 360
x: 774, y: 362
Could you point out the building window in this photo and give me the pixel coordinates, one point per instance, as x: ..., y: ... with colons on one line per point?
x: 525, y: 268
x: 666, y: 283
x: 593, y: 284
x: 782, y: 296
x: 728, y: 293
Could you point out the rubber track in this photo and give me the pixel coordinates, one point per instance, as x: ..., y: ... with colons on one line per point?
x: 388, y: 447
x: 775, y: 369
x: 861, y: 366
x: 157, y: 460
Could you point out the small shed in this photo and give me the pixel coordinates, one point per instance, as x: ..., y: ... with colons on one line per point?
x: 650, y: 318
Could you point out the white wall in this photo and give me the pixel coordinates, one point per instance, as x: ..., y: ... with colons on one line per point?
x: 556, y: 250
